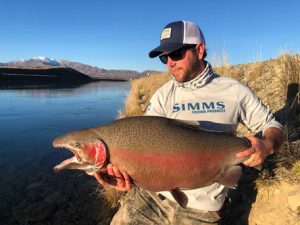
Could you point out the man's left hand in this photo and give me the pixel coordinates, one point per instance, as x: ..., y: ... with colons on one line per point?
x: 260, y: 149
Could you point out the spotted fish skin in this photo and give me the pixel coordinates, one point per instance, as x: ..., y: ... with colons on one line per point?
x: 158, y: 153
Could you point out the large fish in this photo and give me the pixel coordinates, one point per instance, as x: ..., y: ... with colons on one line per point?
x: 158, y: 153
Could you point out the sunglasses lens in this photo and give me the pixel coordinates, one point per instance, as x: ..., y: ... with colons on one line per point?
x: 163, y: 59
x: 175, y: 56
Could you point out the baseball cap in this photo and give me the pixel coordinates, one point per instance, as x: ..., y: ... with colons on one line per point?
x: 176, y: 35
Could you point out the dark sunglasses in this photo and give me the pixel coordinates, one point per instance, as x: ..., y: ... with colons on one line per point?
x: 176, y: 55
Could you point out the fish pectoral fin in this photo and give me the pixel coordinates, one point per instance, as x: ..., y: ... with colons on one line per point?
x: 180, y: 197
x: 231, y: 177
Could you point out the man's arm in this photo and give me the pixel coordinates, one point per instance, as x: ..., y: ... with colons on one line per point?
x: 262, y: 147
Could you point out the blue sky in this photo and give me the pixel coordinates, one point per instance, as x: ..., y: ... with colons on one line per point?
x: 119, y: 34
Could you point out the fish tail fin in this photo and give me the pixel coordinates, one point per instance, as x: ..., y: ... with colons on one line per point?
x: 180, y: 197
x: 231, y: 177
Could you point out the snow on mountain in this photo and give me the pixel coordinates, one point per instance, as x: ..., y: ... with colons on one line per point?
x: 47, y: 61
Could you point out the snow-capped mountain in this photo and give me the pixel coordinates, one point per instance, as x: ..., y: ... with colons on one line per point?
x: 36, y: 61
x: 47, y: 61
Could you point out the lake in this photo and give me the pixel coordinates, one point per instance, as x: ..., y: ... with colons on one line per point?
x: 31, y: 193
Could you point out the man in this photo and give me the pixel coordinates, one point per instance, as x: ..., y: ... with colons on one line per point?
x: 196, y: 94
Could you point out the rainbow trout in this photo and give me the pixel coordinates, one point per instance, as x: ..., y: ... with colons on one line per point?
x: 158, y: 153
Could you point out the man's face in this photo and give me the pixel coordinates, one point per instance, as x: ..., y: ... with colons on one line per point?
x: 188, y: 67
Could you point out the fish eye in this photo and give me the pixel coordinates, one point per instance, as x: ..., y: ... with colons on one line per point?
x: 77, y: 145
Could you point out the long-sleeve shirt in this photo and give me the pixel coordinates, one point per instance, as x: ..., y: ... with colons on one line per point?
x: 213, y: 103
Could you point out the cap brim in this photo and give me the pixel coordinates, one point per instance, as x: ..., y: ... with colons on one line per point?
x: 170, y: 47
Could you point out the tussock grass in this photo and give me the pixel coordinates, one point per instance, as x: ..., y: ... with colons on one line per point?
x: 141, y: 91
x: 296, y: 168
x: 111, y: 196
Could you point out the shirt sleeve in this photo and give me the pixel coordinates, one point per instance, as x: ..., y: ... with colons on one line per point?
x: 254, y: 114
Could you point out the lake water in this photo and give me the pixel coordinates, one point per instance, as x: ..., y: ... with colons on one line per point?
x: 31, y: 193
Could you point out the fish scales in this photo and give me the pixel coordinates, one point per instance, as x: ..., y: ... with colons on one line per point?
x: 159, y: 153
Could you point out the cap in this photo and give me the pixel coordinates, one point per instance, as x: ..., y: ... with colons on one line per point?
x: 176, y: 35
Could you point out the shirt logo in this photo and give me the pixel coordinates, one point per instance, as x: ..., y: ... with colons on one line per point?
x: 200, y: 107
x: 149, y: 106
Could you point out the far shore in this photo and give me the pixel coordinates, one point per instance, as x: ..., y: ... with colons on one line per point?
x: 20, y: 77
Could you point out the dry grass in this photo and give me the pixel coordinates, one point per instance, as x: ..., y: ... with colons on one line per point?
x: 296, y: 168
x: 141, y: 91
x: 111, y: 195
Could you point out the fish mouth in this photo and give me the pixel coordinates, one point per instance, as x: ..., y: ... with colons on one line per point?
x: 74, y: 162
x: 78, y: 161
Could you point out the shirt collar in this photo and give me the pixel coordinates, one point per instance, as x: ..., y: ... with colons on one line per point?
x: 199, y: 81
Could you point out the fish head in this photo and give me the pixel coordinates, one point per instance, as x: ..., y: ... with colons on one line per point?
x: 89, y: 151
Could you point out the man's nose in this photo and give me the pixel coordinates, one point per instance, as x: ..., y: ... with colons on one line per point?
x: 170, y: 62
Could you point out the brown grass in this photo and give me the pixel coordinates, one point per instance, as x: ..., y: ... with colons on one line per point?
x: 141, y: 91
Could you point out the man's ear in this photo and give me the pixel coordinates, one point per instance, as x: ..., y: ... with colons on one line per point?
x: 200, y: 48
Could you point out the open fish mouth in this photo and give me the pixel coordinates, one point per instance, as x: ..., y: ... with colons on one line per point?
x: 75, y: 162
x: 71, y: 163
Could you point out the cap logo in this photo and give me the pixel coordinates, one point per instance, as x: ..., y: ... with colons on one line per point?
x: 166, y: 33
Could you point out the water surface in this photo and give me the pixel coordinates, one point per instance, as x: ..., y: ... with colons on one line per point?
x: 31, y: 193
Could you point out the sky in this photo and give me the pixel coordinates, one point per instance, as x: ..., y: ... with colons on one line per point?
x: 119, y: 34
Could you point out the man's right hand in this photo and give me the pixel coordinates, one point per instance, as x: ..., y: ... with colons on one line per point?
x: 112, y: 176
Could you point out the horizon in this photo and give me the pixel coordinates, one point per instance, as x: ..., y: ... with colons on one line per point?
x: 120, y: 36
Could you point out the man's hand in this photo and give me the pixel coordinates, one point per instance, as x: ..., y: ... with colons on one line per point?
x: 259, y: 150
x: 262, y: 148
x: 112, y: 176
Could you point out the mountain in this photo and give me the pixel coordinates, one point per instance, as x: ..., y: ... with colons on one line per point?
x: 93, y: 72
x: 34, y: 62
x: 99, y: 73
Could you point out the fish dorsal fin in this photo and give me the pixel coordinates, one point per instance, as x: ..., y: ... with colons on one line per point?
x: 180, y: 197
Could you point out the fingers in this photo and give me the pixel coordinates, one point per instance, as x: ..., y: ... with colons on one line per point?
x: 112, y: 176
x: 245, y: 153
x: 127, y: 181
x: 115, y: 173
x: 256, y: 153
x: 253, y: 161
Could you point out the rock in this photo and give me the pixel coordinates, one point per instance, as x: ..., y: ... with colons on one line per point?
x: 294, y: 201
x: 272, y: 206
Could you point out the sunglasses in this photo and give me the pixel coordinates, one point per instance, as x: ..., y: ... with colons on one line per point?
x: 176, y: 55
